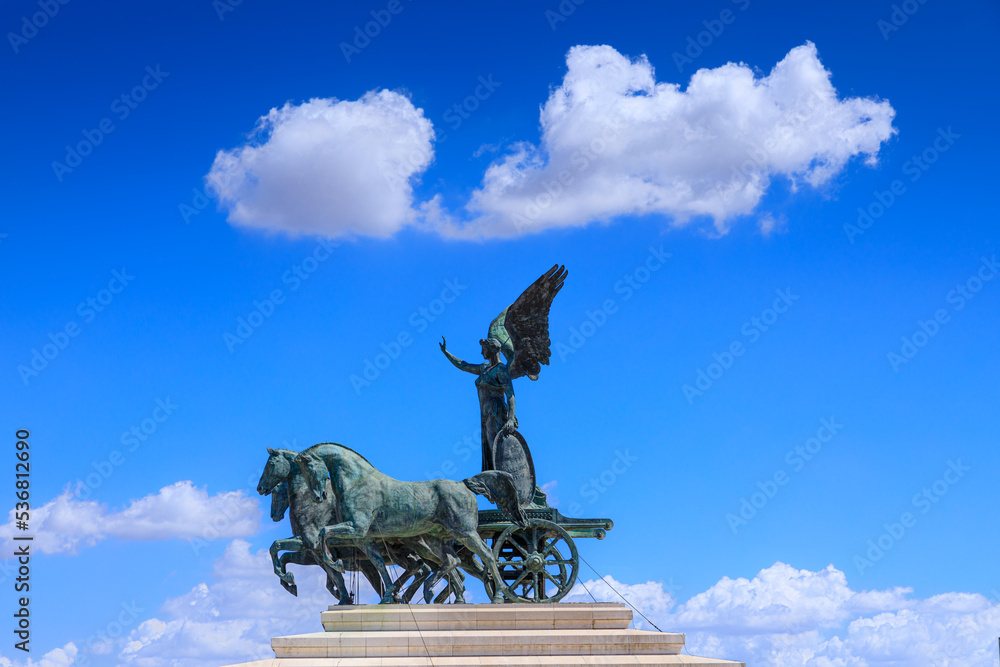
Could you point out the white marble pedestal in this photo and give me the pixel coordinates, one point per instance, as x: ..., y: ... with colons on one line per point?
x: 554, y: 635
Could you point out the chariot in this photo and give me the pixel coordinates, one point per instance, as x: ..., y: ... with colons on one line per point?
x: 539, y: 562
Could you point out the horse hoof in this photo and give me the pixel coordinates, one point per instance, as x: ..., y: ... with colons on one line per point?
x: 291, y: 588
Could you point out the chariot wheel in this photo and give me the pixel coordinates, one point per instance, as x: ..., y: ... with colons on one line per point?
x: 537, y: 564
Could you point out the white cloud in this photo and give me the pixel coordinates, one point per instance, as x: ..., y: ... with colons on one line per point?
x: 649, y: 598
x: 627, y: 145
x: 65, y: 524
x: 57, y: 657
x: 783, y: 617
x: 327, y: 167
x: 614, y: 142
x: 232, y: 619
x: 549, y: 489
x: 768, y: 224
x: 788, y: 617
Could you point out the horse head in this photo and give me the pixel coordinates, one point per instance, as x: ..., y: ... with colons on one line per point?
x: 315, y: 473
x: 277, y: 470
x: 279, y: 501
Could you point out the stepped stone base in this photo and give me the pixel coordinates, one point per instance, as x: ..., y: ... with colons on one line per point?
x: 553, y: 635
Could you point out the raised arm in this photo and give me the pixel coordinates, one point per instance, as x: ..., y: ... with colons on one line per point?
x: 475, y: 369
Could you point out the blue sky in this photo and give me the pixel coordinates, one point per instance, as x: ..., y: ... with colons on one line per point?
x: 912, y: 106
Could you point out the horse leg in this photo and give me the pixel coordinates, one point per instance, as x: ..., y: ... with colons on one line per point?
x: 421, y: 558
x: 419, y: 568
x: 287, y: 544
x: 372, y: 575
x: 471, y: 540
x: 395, y: 554
x: 400, y: 595
x: 454, y: 575
x: 435, y: 550
x: 331, y: 583
x: 295, y: 558
x: 375, y: 556
x: 456, y: 580
x: 355, y: 527
x: 470, y: 564
x: 456, y: 585
x: 334, y: 579
x: 347, y: 530
x: 341, y: 532
x: 420, y: 576
x: 413, y: 567
x: 307, y: 557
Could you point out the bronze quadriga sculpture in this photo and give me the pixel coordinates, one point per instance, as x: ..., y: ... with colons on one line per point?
x: 345, y: 514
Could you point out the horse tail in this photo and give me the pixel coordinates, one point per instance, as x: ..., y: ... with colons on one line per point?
x: 497, y: 486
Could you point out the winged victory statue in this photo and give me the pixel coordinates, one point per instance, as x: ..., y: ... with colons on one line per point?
x: 516, y: 345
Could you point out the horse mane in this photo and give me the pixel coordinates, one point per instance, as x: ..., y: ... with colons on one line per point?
x: 337, y: 444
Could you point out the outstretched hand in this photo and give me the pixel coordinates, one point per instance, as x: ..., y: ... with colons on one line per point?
x: 443, y: 345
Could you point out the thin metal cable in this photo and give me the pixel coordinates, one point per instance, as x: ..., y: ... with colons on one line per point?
x: 355, y: 577
x: 588, y: 591
x: 599, y: 576
x: 413, y: 616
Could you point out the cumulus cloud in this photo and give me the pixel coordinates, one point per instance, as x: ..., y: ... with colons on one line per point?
x: 614, y: 142
x: 57, y: 657
x: 233, y: 618
x: 787, y: 617
x: 181, y: 510
x: 327, y: 167
x: 782, y: 617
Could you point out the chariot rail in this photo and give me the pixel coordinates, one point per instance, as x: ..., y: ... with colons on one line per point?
x: 538, y: 562
x: 494, y: 522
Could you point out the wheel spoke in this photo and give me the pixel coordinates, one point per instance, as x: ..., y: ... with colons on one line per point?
x: 520, y: 577
x: 557, y: 582
x: 519, y: 547
x: 553, y: 549
x: 538, y: 591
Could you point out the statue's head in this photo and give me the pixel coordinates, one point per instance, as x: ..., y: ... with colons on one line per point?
x: 279, y: 501
x: 315, y: 473
x: 491, y: 347
x: 278, y: 469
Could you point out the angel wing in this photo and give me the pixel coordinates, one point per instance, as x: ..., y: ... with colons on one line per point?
x: 523, y: 327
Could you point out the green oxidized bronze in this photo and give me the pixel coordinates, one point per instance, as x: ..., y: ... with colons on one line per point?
x: 347, y: 515
x: 521, y: 335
